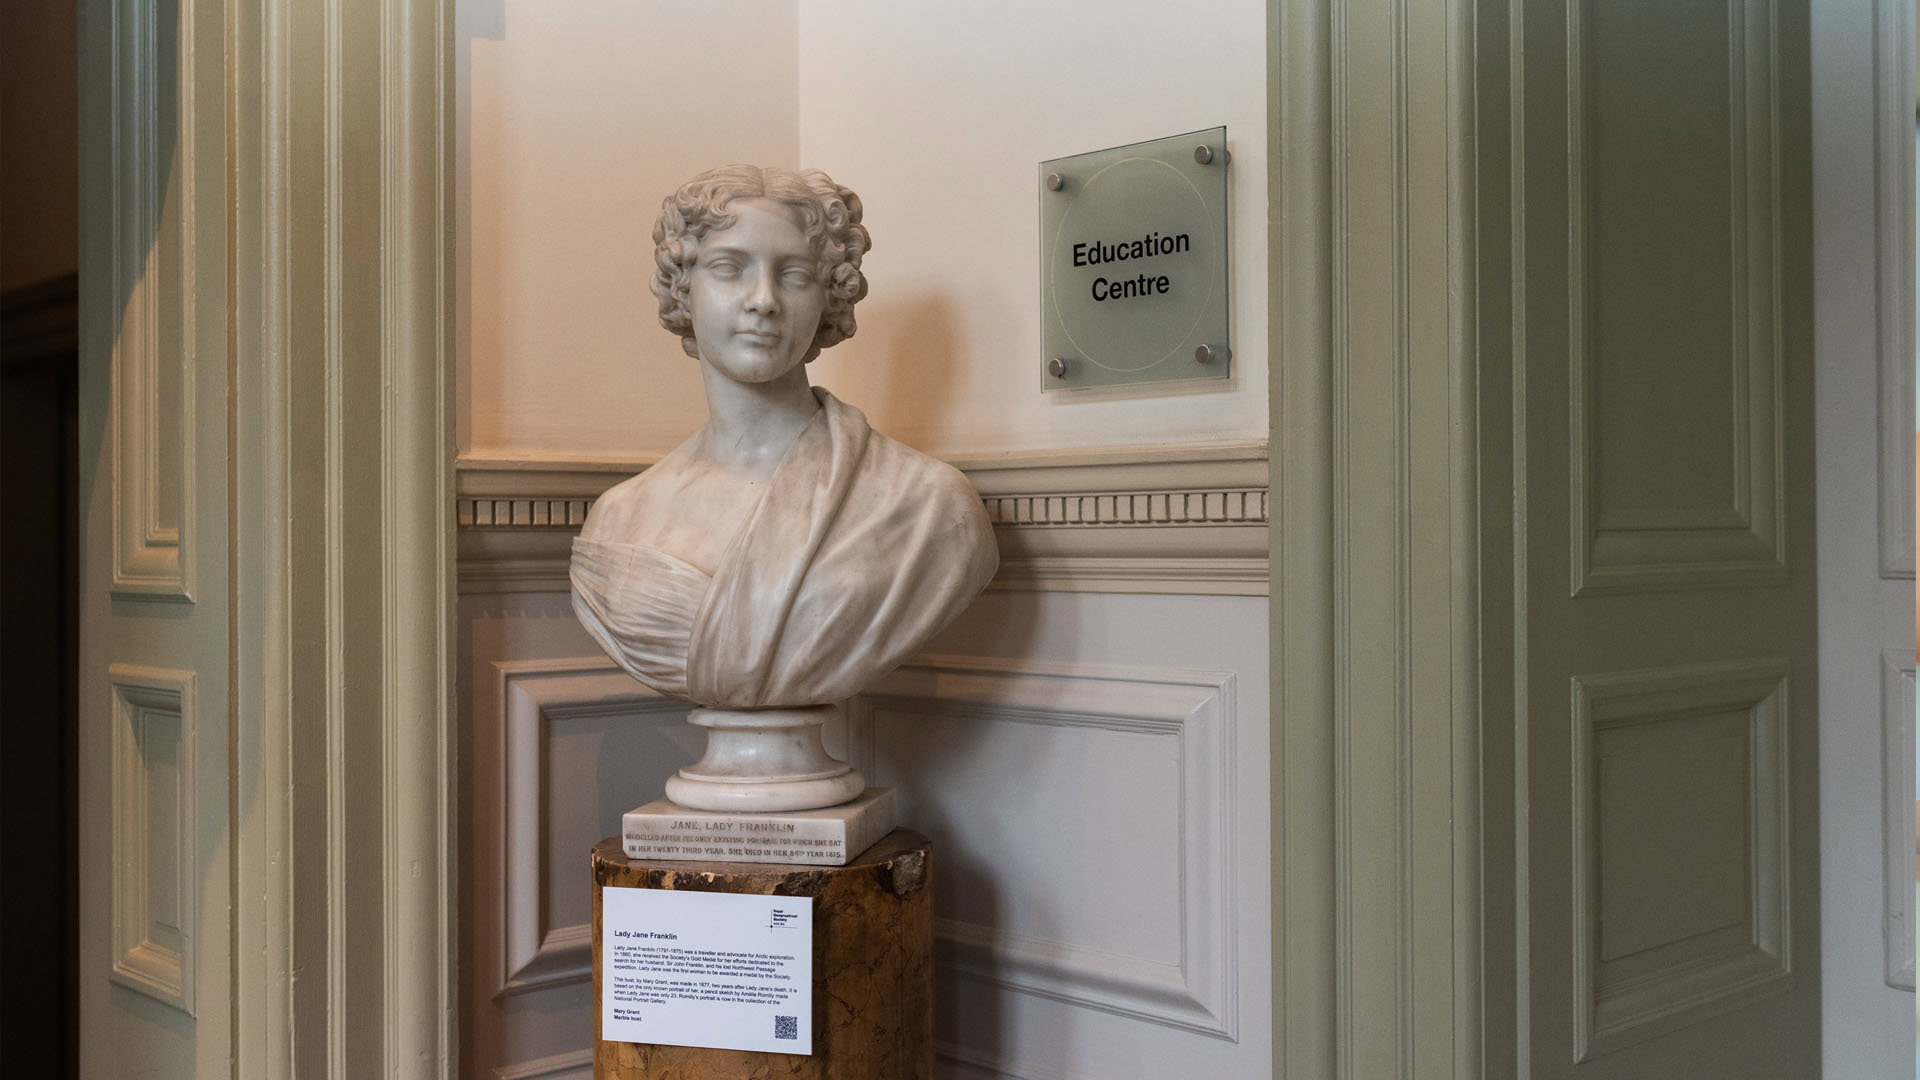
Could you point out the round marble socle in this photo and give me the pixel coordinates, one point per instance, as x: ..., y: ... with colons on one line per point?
x: 764, y: 760
x: 872, y: 965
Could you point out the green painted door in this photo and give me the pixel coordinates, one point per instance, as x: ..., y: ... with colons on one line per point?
x: 1665, y: 909
x: 155, y: 911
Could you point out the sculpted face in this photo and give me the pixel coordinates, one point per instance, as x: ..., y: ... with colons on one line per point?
x: 756, y: 294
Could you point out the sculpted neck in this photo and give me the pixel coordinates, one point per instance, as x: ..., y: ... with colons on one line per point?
x: 751, y: 425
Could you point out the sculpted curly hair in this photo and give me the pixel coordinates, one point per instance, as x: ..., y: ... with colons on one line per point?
x: 829, y: 215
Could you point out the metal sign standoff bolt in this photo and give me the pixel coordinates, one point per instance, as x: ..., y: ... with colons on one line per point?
x: 1058, y: 367
x: 1056, y: 182
x: 1207, y: 354
x: 1203, y: 154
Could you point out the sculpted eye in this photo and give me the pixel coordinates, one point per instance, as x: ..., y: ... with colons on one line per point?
x: 724, y: 268
x: 797, y: 278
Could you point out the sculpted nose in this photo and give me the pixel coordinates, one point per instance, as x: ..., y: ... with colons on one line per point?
x: 762, y: 297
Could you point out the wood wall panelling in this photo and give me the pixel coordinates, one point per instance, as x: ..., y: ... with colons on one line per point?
x: 156, y: 868
x: 1679, y: 778
x: 1688, y: 491
x: 1133, y: 772
x: 955, y: 734
x: 1169, y: 731
x: 546, y: 940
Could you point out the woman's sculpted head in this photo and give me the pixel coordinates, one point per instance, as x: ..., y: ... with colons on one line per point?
x: 828, y: 213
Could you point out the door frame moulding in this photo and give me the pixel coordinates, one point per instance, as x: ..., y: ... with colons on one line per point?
x: 1377, y: 808
x: 370, y: 709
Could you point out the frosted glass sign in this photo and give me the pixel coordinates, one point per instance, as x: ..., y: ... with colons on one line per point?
x: 1133, y: 263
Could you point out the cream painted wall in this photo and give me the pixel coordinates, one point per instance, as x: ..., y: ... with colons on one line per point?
x: 572, y: 121
x: 938, y: 116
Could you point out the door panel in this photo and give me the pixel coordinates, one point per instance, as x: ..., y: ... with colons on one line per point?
x: 1662, y: 447
x: 1673, y: 217
x: 154, y: 920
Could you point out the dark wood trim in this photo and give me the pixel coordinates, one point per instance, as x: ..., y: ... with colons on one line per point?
x: 39, y: 646
x: 40, y: 323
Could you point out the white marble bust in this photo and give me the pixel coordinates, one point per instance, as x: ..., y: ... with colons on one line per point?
x: 787, y: 554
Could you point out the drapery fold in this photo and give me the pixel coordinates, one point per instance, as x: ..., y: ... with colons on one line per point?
x: 859, y: 551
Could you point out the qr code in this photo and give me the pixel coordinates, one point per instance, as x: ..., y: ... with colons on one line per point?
x: 786, y: 1027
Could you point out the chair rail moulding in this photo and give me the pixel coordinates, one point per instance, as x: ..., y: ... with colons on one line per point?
x: 1161, y: 519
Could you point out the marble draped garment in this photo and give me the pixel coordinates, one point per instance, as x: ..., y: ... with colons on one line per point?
x: 859, y: 550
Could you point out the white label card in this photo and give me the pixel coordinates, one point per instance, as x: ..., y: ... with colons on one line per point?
x: 722, y: 970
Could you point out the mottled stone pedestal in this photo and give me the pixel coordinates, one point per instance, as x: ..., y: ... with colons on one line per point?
x: 872, y: 965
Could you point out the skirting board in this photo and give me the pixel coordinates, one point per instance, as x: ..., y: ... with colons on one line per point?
x: 1166, y: 520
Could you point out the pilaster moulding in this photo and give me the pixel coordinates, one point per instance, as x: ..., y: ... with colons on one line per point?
x: 1377, y: 877
x: 343, y: 577
x: 411, y: 42
x: 1173, y: 519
